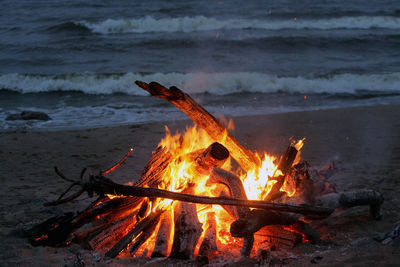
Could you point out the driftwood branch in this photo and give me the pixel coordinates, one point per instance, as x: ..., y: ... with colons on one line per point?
x: 236, y: 190
x: 102, y: 185
x: 245, y: 158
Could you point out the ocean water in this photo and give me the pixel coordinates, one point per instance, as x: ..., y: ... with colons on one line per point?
x: 78, y: 60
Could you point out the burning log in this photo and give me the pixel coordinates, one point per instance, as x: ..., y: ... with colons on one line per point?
x: 245, y: 158
x: 51, y: 232
x: 277, y: 236
x: 108, y: 233
x: 214, y: 156
x: 187, y: 232
x: 151, y: 175
x: 163, y: 236
x: 108, y: 216
x: 113, y: 208
x: 235, y: 187
x: 155, y: 168
x: 256, y: 219
x: 284, y: 165
x: 209, y: 244
x: 231, y: 210
x: 136, y: 231
x: 236, y: 190
x: 146, y: 233
x: 55, y: 231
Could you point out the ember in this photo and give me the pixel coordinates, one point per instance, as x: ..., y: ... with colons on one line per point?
x: 201, y: 193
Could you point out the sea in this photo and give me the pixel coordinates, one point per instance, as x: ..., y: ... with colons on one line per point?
x: 78, y: 61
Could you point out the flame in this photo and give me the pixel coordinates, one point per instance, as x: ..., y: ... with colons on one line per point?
x: 184, y: 147
x: 256, y: 182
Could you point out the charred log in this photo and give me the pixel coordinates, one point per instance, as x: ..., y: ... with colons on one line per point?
x: 234, y: 185
x: 208, y: 245
x: 187, y: 231
x: 231, y: 210
x: 256, y: 219
x: 278, y: 237
x: 142, y: 238
x: 136, y: 231
x: 109, y: 233
x: 214, y: 156
x: 284, y: 165
x: 236, y: 190
x: 163, y: 236
x: 52, y: 232
x: 112, y: 209
x: 368, y: 197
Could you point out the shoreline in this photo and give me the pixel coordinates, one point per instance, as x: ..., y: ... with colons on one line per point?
x: 364, y: 142
x: 185, y: 118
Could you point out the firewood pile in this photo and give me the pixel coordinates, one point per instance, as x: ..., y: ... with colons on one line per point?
x: 166, y: 212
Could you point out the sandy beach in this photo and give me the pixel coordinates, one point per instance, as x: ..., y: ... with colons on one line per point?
x: 364, y: 143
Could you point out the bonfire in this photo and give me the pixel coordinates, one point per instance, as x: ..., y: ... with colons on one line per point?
x: 201, y: 194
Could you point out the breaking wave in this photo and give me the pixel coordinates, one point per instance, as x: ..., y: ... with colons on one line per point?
x: 213, y: 83
x: 202, y: 23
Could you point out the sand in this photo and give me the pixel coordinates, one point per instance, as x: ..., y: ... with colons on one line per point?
x: 364, y: 142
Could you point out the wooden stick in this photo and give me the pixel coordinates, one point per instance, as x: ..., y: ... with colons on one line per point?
x: 245, y: 158
x: 284, y: 166
x: 116, y: 166
x: 102, y: 185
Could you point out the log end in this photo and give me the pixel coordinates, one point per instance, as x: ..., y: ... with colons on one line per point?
x: 218, y: 151
x: 142, y: 85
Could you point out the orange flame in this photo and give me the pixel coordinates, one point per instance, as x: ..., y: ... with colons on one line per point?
x: 184, y: 147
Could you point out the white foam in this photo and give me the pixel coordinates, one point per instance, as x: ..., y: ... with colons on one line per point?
x: 201, y: 23
x: 214, y: 83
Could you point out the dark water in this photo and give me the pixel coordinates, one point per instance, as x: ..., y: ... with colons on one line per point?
x: 78, y: 60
